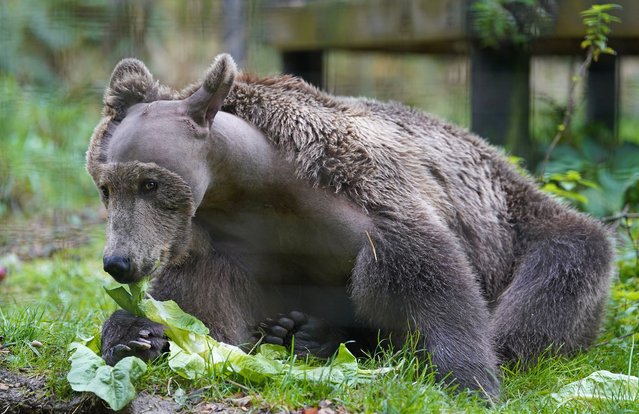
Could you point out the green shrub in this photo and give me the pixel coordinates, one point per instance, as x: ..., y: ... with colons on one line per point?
x: 44, y: 139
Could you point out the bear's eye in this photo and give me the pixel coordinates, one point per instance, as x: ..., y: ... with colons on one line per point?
x: 105, y: 192
x: 149, y: 186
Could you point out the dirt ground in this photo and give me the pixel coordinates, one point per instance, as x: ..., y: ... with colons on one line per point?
x: 23, y: 394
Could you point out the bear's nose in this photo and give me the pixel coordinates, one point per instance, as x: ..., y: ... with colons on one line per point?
x: 119, y: 267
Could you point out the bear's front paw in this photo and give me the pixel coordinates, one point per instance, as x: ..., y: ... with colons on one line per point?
x: 126, y: 335
x: 306, y: 334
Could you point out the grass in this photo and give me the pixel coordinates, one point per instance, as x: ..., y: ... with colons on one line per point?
x: 53, y: 300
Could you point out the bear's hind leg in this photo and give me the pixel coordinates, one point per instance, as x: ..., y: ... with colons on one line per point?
x: 414, y: 277
x: 558, y: 293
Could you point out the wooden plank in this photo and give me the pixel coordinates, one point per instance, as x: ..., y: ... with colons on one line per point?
x: 429, y: 26
x: 374, y: 24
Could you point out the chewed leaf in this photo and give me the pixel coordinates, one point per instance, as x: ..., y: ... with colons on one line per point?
x: 600, y: 385
x: 122, y: 297
x: 92, y: 342
x: 256, y: 368
x: 273, y: 351
x: 138, y: 289
x: 345, y: 358
x: 114, y: 384
x: 343, y: 369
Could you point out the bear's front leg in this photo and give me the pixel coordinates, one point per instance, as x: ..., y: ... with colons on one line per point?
x: 124, y: 334
x: 415, y: 277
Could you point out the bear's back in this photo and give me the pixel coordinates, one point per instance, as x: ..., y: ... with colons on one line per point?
x: 466, y: 181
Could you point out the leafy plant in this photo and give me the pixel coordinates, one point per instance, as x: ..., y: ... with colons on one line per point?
x: 597, y: 20
x: 598, y: 180
x: 503, y: 22
x: 600, y: 385
x: 114, y: 384
x: 194, y: 354
x: 566, y: 185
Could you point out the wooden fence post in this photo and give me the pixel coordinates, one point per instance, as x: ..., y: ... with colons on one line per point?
x: 500, y: 99
x: 307, y: 64
x: 602, y: 89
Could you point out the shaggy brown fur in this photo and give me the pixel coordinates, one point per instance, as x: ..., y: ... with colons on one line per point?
x: 441, y: 235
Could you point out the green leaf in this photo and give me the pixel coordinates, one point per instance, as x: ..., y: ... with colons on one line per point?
x: 169, y: 313
x: 138, y: 289
x: 343, y: 368
x: 256, y: 368
x: 114, y: 384
x: 92, y: 342
x: 600, y: 385
x: 182, y: 328
x: 185, y: 364
x: 84, y: 364
x: 273, y: 351
x: 553, y: 188
x: 601, y: 45
x: 194, y: 354
x: 124, y: 299
x: 609, y: 51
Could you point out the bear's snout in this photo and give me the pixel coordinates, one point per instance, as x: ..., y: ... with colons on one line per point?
x: 119, y: 267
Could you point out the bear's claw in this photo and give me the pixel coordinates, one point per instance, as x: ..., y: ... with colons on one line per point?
x: 126, y: 335
x: 307, y: 335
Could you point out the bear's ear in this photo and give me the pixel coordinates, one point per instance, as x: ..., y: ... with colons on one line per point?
x: 207, y: 100
x: 131, y: 83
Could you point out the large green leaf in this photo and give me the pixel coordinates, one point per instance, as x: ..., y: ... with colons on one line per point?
x: 169, y: 313
x: 600, y: 385
x: 194, y: 354
x: 123, y: 298
x: 114, y: 384
x: 185, y: 330
x: 185, y: 364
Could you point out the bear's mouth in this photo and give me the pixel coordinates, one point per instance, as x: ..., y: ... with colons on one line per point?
x: 148, y: 270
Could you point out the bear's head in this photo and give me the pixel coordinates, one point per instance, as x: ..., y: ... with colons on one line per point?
x: 149, y: 159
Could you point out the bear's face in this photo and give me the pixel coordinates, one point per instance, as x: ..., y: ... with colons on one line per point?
x: 149, y: 157
x: 149, y: 218
x: 154, y: 175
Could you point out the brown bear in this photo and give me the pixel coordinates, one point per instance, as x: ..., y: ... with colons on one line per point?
x: 350, y: 219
